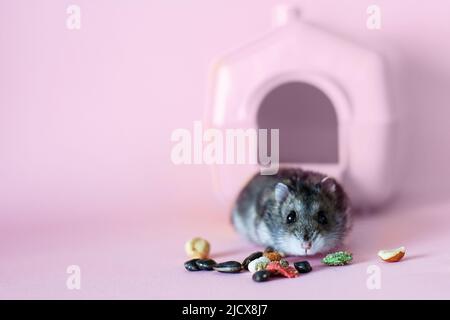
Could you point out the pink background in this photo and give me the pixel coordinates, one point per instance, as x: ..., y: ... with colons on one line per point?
x: 85, y: 170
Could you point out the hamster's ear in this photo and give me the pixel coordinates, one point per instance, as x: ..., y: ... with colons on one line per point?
x: 281, y: 192
x: 328, y: 184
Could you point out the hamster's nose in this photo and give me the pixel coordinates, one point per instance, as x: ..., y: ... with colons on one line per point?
x: 306, y: 245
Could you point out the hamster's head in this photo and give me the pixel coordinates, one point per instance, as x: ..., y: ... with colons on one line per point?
x: 309, y: 217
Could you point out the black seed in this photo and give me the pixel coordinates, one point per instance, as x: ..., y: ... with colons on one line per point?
x: 302, y: 266
x: 191, y: 265
x: 205, y: 264
x: 228, y: 267
x: 250, y: 258
x: 262, y: 275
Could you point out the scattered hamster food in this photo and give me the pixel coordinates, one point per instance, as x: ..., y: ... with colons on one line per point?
x: 205, y: 264
x: 197, y: 248
x: 262, y: 275
x: 191, y: 265
x: 268, y: 264
x: 250, y: 258
x: 392, y: 255
x: 273, y: 256
x: 277, y: 268
x: 228, y: 267
x: 284, y: 263
x: 302, y: 266
x: 258, y: 264
x: 339, y: 258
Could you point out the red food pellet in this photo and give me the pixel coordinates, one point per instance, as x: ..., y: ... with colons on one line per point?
x: 288, y: 272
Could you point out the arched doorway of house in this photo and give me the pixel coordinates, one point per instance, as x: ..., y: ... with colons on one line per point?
x: 307, y: 121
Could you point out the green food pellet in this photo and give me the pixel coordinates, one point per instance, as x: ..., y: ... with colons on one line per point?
x: 284, y: 263
x: 339, y: 258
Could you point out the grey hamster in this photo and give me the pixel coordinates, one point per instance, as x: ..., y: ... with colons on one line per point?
x: 294, y: 211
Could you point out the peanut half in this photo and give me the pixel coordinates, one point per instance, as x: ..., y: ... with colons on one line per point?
x: 392, y: 255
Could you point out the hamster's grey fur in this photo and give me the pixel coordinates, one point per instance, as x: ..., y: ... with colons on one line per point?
x: 294, y: 211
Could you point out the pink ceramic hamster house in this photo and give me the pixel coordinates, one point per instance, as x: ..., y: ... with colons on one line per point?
x: 327, y: 96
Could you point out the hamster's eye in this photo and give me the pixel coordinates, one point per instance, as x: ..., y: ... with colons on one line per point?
x: 322, y: 218
x: 292, y: 217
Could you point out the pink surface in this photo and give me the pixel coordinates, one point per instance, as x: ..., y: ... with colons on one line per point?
x: 86, y: 176
x: 144, y: 263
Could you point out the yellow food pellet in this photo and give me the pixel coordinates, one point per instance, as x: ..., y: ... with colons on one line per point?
x: 197, y: 248
x: 273, y: 255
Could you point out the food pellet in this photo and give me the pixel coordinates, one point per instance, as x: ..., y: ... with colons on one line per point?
x: 302, y: 266
x: 205, y: 264
x: 197, y: 248
x: 228, y: 267
x: 284, y: 263
x: 339, y: 258
x: 191, y: 265
x: 250, y: 258
x: 273, y: 255
x: 392, y: 255
x: 262, y: 275
x: 258, y: 264
x: 277, y: 268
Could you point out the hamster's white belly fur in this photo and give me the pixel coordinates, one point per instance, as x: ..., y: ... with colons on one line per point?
x: 257, y: 232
